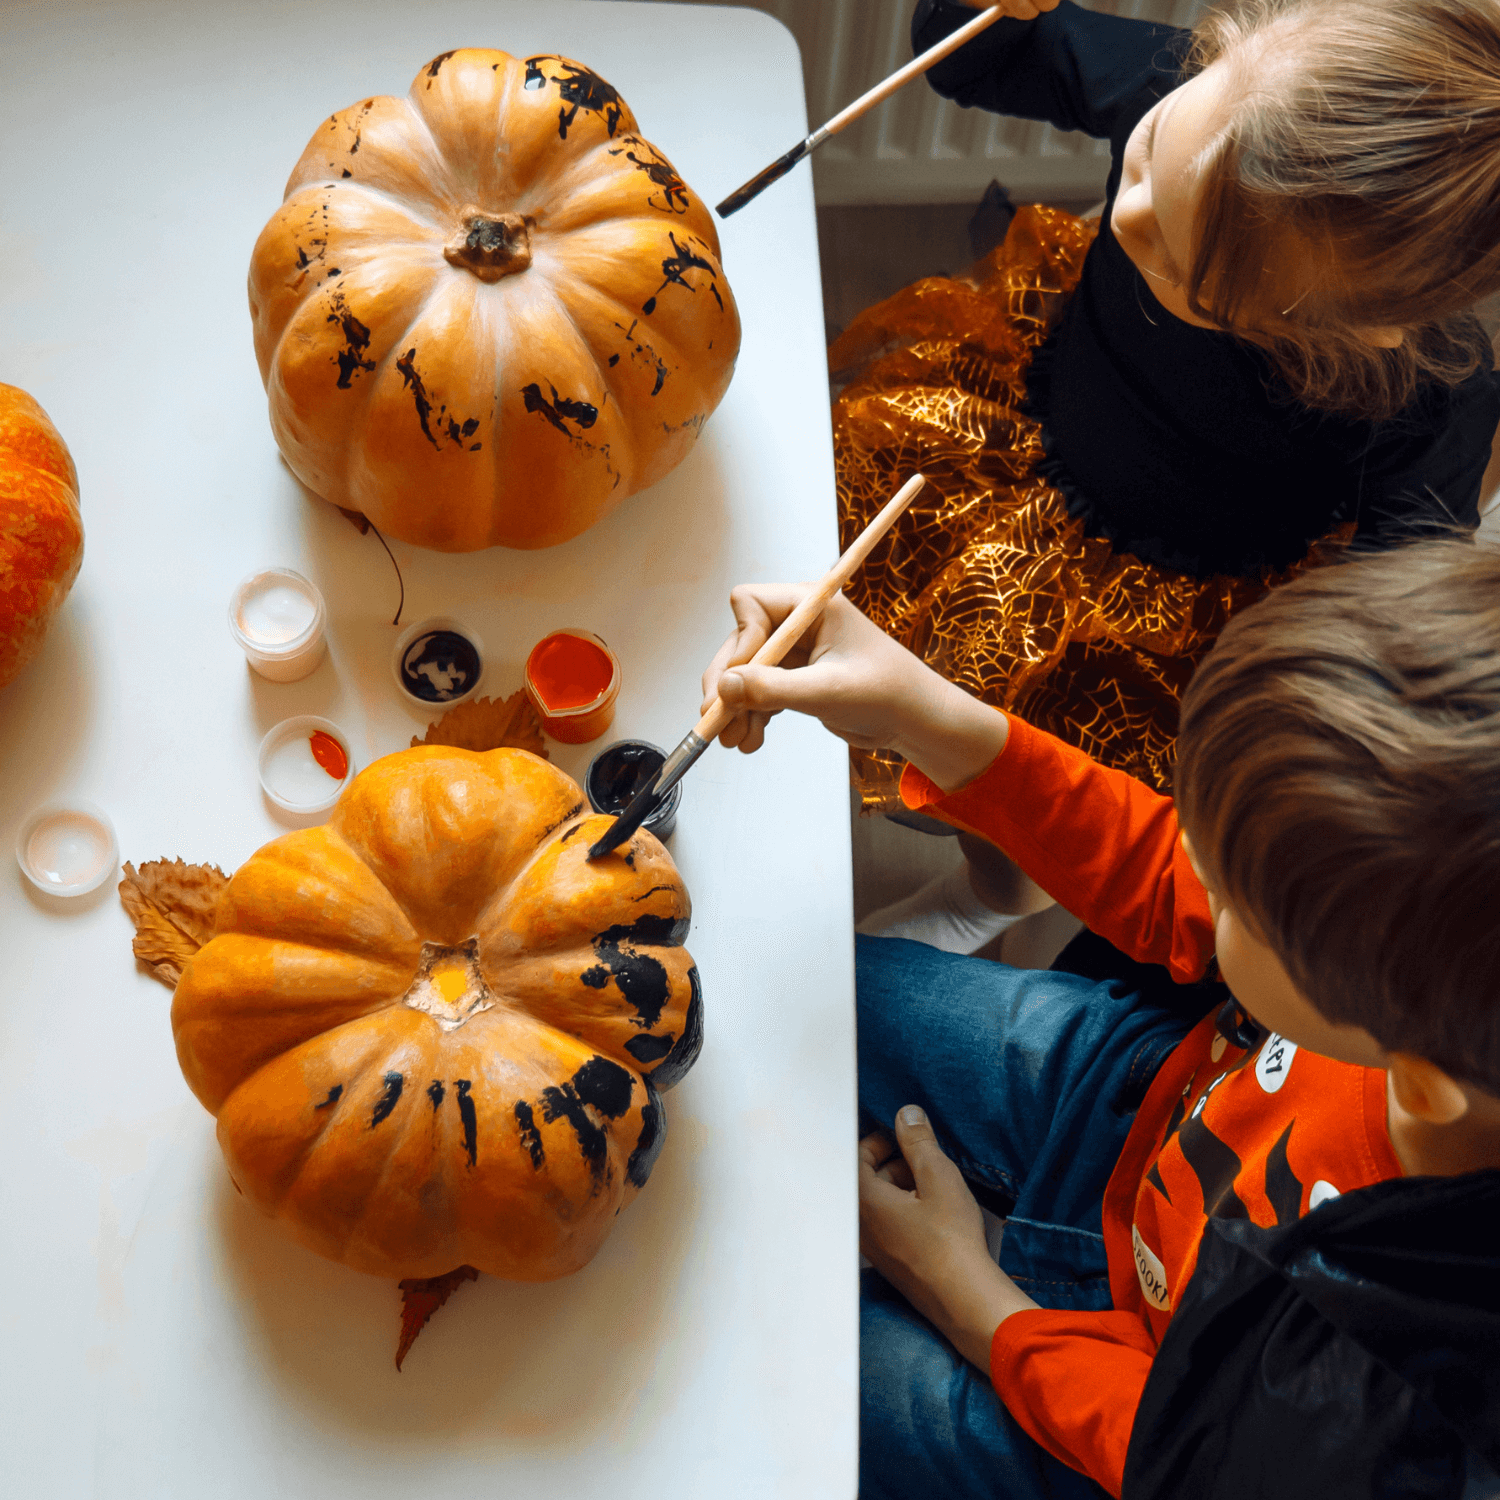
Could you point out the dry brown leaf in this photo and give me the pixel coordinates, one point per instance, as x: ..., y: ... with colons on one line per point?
x: 486, y: 724
x: 420, y: 1298
x: 173, y: 905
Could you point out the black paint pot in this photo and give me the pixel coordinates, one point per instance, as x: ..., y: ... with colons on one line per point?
x: 619, y: 771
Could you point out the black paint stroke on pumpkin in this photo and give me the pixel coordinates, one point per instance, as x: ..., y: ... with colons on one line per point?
x: 648, y: 1049
x: 389, y: 1097
x: 561, y: 409
x: 642, y: 353
x: 673, y: 268
x: 567, y: 817
x: 654, y: 889
x: 455, y: 432
x: 661, y: 173
x: 469, y: 1117
x: 435, y: 1093
x: 531, y: 1137
x: 561, y: 1102
x: 581, y: 88
x: 333, y: 1097
x: 605, y: 1085
x: 437, y: 62
x: 648, y: 1144
x: 351, y: 360
x: 642, y: 979
x: 673, y: 1068
x: 572, y: 833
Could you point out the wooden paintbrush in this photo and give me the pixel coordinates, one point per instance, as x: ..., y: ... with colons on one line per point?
x: 785, y: 636
x: 784, y: 164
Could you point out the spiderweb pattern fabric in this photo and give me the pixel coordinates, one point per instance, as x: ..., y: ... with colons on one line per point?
x: 987, y: 577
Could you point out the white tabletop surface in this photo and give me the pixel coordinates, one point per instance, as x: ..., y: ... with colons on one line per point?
x: 159, y: 1339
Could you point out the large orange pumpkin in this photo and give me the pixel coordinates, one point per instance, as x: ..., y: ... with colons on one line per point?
x: 433, y: 1033
x: 41, y: 530
x: 488, y: 312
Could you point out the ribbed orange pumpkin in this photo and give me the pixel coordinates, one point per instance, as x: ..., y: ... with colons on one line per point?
x: 488, y: 312
x: 41, y: 530
x: 432, y: 1032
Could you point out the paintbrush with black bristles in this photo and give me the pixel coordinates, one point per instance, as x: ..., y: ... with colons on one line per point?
x: 783, y: 638
x: 847, y: 116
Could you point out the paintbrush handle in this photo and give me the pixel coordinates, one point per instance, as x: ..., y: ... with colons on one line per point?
x: 791, y: 630
x: 902, y: 76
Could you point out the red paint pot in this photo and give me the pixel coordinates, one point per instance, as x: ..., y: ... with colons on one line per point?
x: 573, y: 679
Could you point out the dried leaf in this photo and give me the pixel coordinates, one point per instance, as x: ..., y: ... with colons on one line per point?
x: 421, y: 1297
x: 356, y: 518
x: 486, y: 724
x: 173, y: 905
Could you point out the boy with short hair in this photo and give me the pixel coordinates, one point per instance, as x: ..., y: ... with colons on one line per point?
x: 1251, y: 1232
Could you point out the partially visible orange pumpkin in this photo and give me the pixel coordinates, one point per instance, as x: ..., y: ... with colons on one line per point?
x: 487, y: 313
x: 433, y: 1033
x: 41, y: 530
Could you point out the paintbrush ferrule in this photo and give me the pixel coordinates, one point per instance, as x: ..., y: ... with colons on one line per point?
x: 762, y: 180
x: 648, y: 799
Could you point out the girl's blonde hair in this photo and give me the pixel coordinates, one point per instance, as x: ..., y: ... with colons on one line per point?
x: 1370, y: 131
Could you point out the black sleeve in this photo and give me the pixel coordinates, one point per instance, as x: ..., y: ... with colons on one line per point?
x: 1415, y: 485
x: 1073, y: 68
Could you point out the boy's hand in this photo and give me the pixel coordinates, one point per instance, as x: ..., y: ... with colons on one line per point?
x: 922, y: 1230
x: 861, y: 684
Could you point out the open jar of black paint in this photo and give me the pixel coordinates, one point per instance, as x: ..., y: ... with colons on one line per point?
x: 621, y: 770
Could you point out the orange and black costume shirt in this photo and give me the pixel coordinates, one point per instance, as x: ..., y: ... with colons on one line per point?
x: 1264, y: 1135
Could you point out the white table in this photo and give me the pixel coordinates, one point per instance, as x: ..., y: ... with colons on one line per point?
x: 159, y: 1339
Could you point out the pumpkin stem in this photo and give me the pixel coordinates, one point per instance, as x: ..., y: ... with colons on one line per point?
x: 489, y: 245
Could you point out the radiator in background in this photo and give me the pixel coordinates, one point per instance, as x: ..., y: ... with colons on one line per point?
x: 916, y: 147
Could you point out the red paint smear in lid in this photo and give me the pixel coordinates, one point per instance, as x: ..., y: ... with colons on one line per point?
x: 329, y: 754
x: 569, y: 672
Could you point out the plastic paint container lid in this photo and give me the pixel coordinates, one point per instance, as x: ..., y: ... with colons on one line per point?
x: 619, y: 771
x: 275, y: 613
x: 437, y: 662
x: 291, y: 774
x: 67, y: 848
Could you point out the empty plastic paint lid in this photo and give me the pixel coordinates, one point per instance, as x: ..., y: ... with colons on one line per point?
x: 67, y: 848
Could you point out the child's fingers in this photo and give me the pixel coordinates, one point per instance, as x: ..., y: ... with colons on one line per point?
x: 931, y: 1167
x: 877, y: 1148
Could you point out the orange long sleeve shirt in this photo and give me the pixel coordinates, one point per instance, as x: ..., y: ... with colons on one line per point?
x: 1265, y: 1135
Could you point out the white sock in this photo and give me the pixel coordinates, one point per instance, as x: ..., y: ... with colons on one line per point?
x: 945, y: 913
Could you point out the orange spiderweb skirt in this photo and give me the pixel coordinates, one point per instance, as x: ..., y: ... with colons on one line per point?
x: 986, y: 577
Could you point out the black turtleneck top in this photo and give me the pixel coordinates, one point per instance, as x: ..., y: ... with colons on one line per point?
x: 1177, y: 443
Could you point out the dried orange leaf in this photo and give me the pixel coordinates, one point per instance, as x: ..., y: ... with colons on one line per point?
x: 173, y: 905
x: 421, y: 1297
x: 486, y: 724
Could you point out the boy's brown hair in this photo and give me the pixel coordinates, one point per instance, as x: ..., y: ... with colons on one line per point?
x: 1368, y: 130
x: 1339, y: 774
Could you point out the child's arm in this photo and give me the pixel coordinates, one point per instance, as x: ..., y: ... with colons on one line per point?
x: 1072, y: 1379
x: 1098, y: 841
x: 1076, y: 69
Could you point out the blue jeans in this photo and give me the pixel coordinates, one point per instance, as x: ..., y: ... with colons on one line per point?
x: 1031, y: 1079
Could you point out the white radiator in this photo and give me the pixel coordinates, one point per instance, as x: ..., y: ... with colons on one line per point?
x: 916, y: 147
